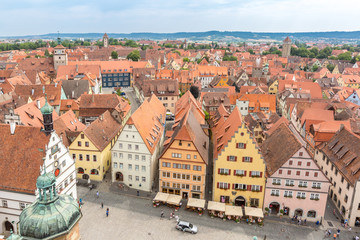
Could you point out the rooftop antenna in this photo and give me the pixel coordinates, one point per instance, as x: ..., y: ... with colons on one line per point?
x: 58, y: 39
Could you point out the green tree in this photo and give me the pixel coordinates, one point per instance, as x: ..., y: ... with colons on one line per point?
x: 315, y: 68
x: 330, y: 67
x: 47, y: 53
x: 229, y: 58
x: 315, y: 50
x: 185, y: 59
x: 345, y: 56
x: 134, y: 55
x: 251, y: 51
x: 131, y: 43
x: 114, y: 55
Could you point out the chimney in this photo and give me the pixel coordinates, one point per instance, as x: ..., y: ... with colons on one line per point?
x: 38, y: 104
x: 32, y: 91
x: 56, y: 84
x: 12, y: 127
x: 72, y: 94
x: 77, y: 68
x: 67, y: 77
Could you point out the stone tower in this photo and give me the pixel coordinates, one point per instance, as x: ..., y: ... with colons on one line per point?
x: 60, y: 56
x: 51, y: 216
x: 47, y: 111
x: 257, y: 69
x: 106, y: 40
x: 286, y: 47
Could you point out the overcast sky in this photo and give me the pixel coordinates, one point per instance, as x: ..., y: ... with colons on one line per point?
x: 24, y: 17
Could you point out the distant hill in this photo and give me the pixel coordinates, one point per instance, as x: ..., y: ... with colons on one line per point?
x: 228, y: 36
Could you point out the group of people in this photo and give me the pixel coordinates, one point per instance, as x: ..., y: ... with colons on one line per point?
x: 172, y: 215
x: 298, y: 220
x: 102, y: 204
x: 335, y: 235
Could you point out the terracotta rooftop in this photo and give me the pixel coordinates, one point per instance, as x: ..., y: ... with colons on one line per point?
x: 344, y: 152
x: 273, y: 150
x: 102, y: 130
x: 37, y: 91
x: 21, y: 149
x: 30, y: 114
x: 149, y: 121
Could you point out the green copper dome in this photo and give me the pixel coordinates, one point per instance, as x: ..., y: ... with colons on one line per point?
x: 46, y: 180
x: 51, y: 215
x: 46, y: 109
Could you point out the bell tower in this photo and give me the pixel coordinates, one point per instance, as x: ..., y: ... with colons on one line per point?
x: 286, y: 48
x: 106, y: 40
x: 47, y: 111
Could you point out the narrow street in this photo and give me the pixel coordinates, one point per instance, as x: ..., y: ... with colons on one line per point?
x: 130, y: 94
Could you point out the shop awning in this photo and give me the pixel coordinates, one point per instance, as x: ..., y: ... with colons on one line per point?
x: 197, y: 203
x: 254, y: 212
x: 162, y: 197
x: 216, y: 206
x: 233, y: 211
x: 173, y: 199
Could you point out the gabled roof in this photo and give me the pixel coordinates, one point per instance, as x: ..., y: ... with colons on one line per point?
x: 37, y: 91
x: 225, y: 130
x: 189, y: 129
x: 20, y: 157
x: 67, y: 123
x: 149, y: 121
x: 273, y: 150
x: 344, y: 152
x: 102, y: 130
x: 30, y: 114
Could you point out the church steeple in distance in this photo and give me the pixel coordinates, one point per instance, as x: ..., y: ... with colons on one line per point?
x: 47, y: 111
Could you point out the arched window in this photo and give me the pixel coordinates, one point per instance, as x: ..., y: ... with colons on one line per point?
x: 311, y: 214
x: 94, y: 172
x: 80, y: 170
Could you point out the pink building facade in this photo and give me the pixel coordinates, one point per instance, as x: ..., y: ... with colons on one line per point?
x: 298, y: 187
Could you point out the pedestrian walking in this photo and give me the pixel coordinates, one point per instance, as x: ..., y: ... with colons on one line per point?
x: 177, y: 218
x: 162, y: 214
x: 97, y: 194
x: 102, y: 205
x: 299, y: 222
x: 338, y: 232
x: 334, y: 236
x: 305, y: 221
x: 107, y: 212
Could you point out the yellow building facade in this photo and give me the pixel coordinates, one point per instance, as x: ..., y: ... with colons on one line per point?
x: 91, y: 148
x: 239, y: 169
x: 182, y: 170
x: 273, y: 88
x: 90, y: 162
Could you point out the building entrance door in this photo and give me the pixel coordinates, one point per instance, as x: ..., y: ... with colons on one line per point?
x: 119, y: 177
x: 240, y: 201
x: 185, y: 195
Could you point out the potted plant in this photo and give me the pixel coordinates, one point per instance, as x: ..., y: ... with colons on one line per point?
x: 266, y: 211
x: 281, y: 213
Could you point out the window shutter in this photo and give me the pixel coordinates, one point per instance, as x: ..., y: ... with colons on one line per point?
x: 228, y: 186
x: 218, y: 185
x: 244, y: 145
x: 243, y: 159
x: 229, y: 171
x: 249, y: 187
x: 234, y: 172
x: 218, y: 170
x: 244, y: 173
x: 235, y: 158
x: 261, y: 188
x: 228, y: 158
x: 260, y: 174
x: 233, y: 185
x: 251, y: 159
x: 237, y: 145
x: 250, y: 173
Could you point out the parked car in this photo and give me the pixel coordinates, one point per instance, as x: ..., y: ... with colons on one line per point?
x: 170, y: 116
x: 186, y: 227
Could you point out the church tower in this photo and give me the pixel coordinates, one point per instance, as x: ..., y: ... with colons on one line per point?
x: 47, y: 111
x: 60, y: 56
x: 106, y: 40
x: 286, y: 47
